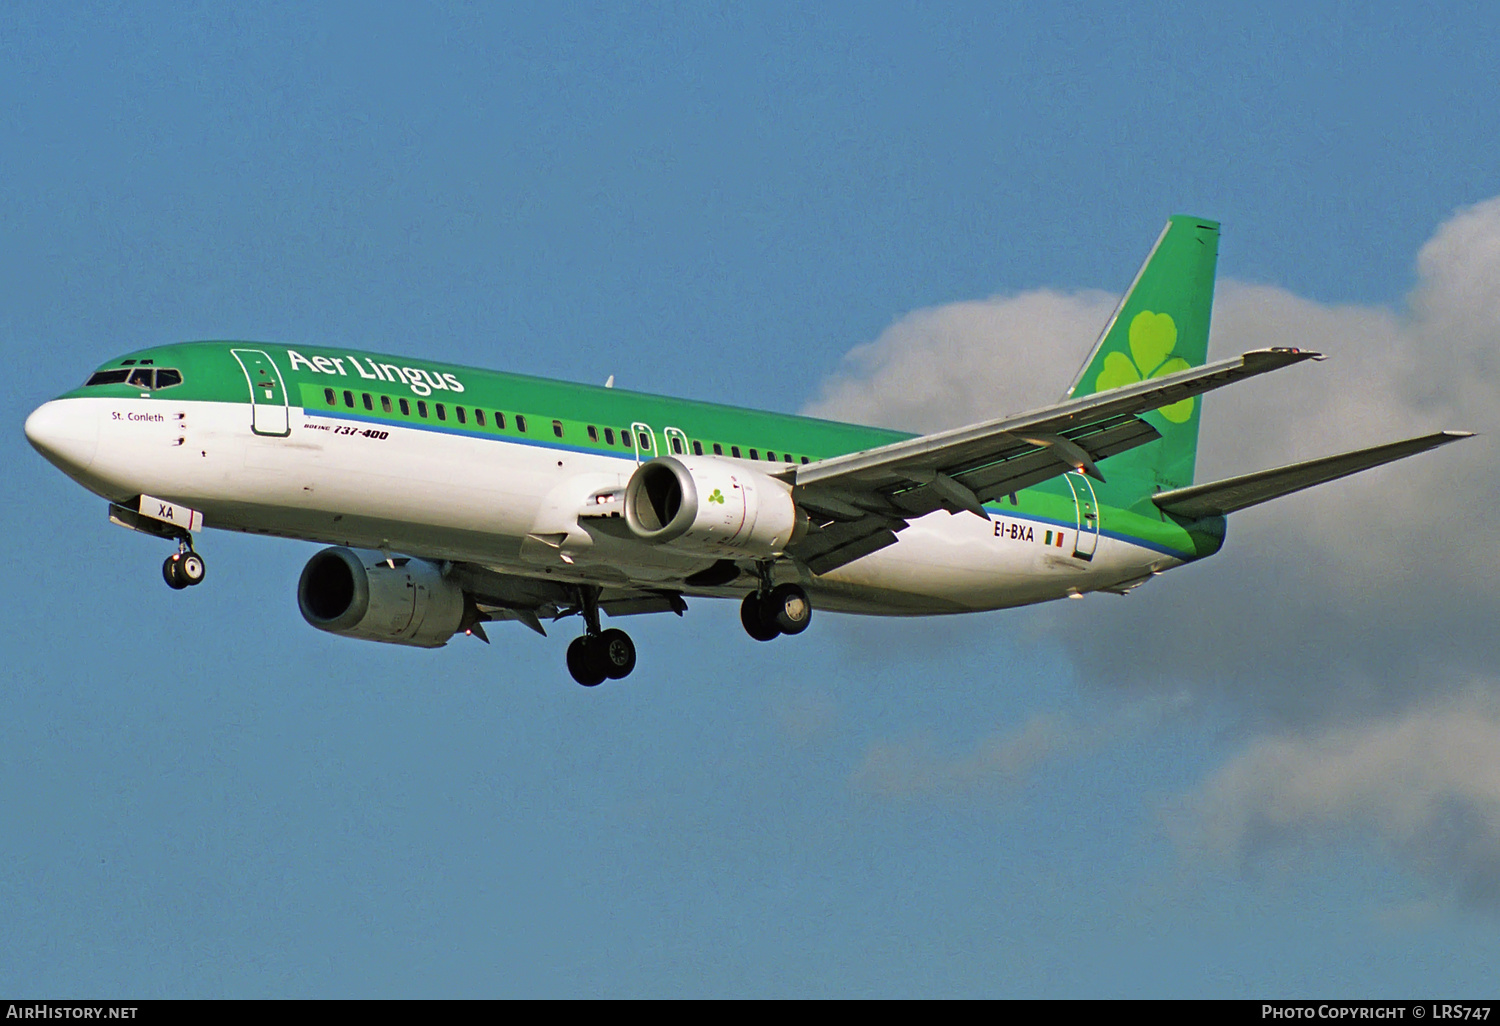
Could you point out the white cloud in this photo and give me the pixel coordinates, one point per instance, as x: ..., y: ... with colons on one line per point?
x: 998, y: 764
x: 1347, y: 592
x: 1369, y: 603
x: 1392, y: 371
x: 1425, y: 784
x: 949, y: 365
x: 803, y: 715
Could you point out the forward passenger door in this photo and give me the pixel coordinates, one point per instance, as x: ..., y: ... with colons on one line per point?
x: 268, y: 401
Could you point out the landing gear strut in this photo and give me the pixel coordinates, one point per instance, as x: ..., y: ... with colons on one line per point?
x: 598, y: 655
x: 184, y: 568
x: 773, y: 611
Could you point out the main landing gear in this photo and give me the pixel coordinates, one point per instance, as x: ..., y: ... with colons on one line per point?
x: 184, y: 568
x: 772, y: 612
x: 598, y: 655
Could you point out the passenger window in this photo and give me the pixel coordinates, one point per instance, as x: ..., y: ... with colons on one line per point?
x: 593, y: 433
x: 109, y: 377
x: 369, y: 403
x: 609, y: 436
x: 442, y: 411
x: 789, y: 459
x: 521, y: 423
x: 166, y: 377
x: 677, y: 445
x: 770, y: 456
x: 626, y: 440
x: 385, y: 404
x: 804, y: 459
x: 644, y: 440
x: 718, y: 449
x: 499, y: 421
x: 332, y: 399
x: 405, y: 407
x: 459, y: 412
x: 734, y: 451
x: 349, y: 399
x: 754, y: 455
x: 479, y: 417
x: 141, y: 379
x: 421, y: 408
x: 557, y: 428
x: 697, y: 448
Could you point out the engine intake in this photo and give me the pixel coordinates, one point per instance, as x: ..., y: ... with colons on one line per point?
x: 359, y: 595
x: 712, y: 507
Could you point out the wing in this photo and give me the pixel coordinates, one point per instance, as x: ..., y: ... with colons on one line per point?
x: 859, y: 501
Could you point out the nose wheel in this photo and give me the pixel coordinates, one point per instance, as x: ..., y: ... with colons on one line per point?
x: 184, y: 569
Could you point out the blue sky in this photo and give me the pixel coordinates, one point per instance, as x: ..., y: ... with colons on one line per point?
x: 1258, y: 776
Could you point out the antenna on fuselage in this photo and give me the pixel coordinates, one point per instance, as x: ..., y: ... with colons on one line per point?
x: 611, y: 382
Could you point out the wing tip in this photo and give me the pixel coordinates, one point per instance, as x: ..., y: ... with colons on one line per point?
x: 1276, y: 357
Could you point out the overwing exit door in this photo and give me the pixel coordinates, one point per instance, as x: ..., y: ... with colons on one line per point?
x: 677, y: 441
x: 645, y: 441
x: 268, y: 404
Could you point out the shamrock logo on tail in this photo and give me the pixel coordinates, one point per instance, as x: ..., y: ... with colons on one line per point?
x: 717, y: 496
x: 1153, y: 336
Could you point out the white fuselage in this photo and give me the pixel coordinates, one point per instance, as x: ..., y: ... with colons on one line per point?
x: 513, y: 507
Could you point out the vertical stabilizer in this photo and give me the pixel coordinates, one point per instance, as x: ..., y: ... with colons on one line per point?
x: 1159, y: 328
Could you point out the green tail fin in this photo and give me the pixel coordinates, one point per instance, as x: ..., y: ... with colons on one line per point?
x: 1160, y: 327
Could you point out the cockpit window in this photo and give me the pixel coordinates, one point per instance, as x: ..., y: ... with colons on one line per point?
x: 140, y: 377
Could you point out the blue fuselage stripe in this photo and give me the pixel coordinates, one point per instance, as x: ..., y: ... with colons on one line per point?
x: 539, y: 443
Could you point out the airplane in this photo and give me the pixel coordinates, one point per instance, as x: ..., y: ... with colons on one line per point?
x: 451, y: 497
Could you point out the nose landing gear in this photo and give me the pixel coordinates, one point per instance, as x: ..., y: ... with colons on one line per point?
x: 598, y: 655
x: 184, y: 568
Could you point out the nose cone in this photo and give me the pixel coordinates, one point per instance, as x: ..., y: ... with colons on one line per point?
x: 66, y: 431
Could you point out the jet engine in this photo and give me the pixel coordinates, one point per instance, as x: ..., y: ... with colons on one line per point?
x: 361, y: 595
x: 712, y: 507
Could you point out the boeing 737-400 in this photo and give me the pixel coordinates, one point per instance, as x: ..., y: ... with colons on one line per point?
x: 454, y: 497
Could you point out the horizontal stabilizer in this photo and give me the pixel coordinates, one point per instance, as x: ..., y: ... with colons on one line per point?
x: 1219, y: 498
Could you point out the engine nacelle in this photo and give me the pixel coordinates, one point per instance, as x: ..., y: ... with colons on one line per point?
x: 712, y: 507
x: 359, y: 595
